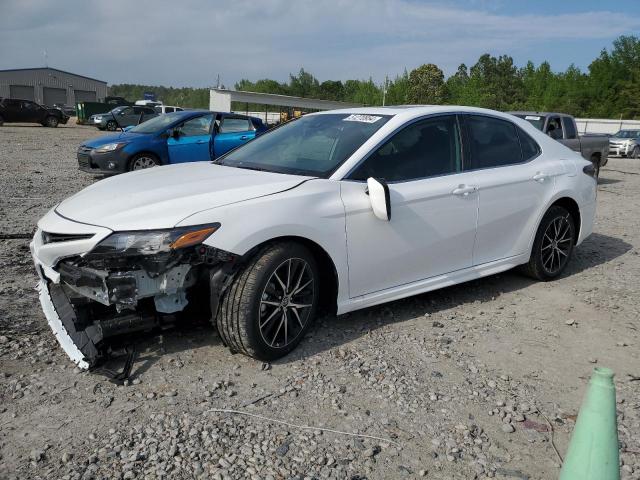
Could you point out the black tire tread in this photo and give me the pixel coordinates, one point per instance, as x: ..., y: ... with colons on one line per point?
x: 237, y: 302
x: 532, y: 268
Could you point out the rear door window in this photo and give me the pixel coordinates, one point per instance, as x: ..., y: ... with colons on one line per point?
x: 232, y: 125
x: 492, y: 142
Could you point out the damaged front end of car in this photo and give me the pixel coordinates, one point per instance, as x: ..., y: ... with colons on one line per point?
x: 131, y: 282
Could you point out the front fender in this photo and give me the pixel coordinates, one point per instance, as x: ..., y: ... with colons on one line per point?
x: 312, y: 210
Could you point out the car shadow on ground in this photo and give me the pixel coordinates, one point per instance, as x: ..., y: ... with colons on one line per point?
x: 607, y: 181
x: 331, y: 332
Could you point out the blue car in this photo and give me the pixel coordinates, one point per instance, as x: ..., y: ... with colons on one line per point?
x: 188, y: 136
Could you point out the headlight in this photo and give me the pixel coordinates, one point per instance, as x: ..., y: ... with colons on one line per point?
x: 150, y: 242
x: 99, y: 117
x: 109, y: 147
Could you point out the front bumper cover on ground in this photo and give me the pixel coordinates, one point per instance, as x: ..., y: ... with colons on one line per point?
x: 68, y: 344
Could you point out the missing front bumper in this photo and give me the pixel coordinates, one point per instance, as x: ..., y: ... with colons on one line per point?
x: 82, y: 340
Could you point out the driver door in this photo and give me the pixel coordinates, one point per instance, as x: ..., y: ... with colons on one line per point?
x: 191, y: 141
x: 434, y: 209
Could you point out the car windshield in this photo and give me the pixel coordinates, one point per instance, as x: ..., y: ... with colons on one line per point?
x: 535, y: 120
x: 314, y: 145
x: 155, y: 124
x: 627, y: 134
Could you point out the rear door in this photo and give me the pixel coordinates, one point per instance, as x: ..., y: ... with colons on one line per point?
x: 192, y: 142
x: 514, y: 182
x: 232, y: 132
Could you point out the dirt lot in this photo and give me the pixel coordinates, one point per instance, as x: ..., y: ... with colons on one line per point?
x: 457, y: 383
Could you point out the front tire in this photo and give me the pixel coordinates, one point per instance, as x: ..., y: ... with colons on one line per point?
x: 635, y: 153
x: 51, y: 122
x: 142, y: 161
x: 112, y: 126
x: 553, y: 245
x: 1, y: 121
x: 271, y: 303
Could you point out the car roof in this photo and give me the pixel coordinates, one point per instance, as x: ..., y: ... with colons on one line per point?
x: 540, y: 114
x: 413, y: 111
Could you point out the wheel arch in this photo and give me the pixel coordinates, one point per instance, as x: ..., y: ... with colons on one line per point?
x: 574, y: 209
x: 326, y: 268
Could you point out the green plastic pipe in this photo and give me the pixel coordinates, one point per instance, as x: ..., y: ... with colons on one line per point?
x: 593, y: 450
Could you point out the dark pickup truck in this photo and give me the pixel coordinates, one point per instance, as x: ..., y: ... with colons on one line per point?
x: 25, y: 111
x: 562, y: 127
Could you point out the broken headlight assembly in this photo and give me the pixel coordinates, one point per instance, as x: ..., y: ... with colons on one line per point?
x: 152, y: 242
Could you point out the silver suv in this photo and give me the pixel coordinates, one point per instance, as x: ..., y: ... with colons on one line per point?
x: 123, y: 116
x: 625, y: 143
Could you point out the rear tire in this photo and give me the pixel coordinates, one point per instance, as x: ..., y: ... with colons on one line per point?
x: 112, y: 126
x: 271, y: 302
x: 51, y: 121
x: 553, y: 245
x: 1, y: 121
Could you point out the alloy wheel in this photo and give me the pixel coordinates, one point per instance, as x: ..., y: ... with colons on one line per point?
x: 286, y: 303
x: 141, y: 163
x: 556, y: 244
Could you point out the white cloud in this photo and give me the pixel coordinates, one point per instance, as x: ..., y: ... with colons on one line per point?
x: 190, y: 42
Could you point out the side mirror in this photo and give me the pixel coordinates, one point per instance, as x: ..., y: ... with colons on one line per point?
x: 379, y: 198
x: 175, y: 134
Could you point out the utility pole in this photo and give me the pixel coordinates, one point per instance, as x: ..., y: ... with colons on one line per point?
x: 384, y: 90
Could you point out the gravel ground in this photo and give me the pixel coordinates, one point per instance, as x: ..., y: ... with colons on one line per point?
x: 473, y: 381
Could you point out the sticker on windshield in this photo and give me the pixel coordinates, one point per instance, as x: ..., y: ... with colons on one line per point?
x: 531, y: 117
x: 362, y: 118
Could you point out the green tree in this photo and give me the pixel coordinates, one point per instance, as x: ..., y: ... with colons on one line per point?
x: 303, y: 85
x: 497, y: 83
x: 426, y: 85
x: 398, y: 90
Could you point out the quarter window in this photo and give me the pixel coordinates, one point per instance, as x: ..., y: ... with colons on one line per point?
x: 530, y: 149
x: 424, y: 149
x: 492, y: 143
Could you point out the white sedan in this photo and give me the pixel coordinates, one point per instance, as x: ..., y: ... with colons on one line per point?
x: 337, y: 210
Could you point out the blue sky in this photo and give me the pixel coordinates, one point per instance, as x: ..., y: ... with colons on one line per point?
x: 189, y: 43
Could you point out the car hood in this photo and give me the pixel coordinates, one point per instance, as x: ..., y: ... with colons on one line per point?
x: 163, y: 196
x: 116, y: 137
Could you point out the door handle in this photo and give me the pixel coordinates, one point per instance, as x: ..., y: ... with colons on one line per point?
x: 201, y: 141
x: 540, y: 177
x: 464, y: 190
x: 244, y: 137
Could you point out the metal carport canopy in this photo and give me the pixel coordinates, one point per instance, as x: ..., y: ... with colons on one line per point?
x: 220, y: 100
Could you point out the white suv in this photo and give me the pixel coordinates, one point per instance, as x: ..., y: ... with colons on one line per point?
x: 162, y: 109
x: 338, y: 210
